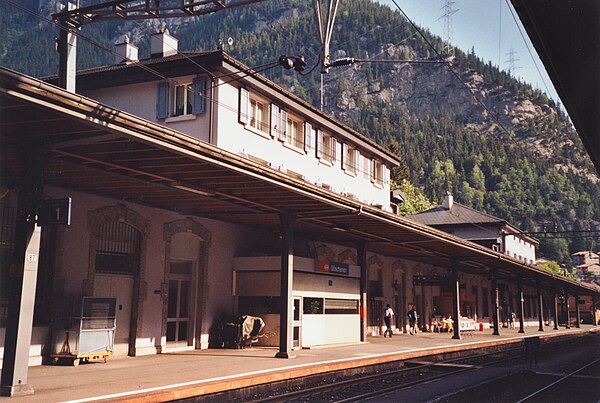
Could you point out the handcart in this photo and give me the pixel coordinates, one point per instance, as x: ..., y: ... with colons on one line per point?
x: 89, y: 335
x: 242, y: 332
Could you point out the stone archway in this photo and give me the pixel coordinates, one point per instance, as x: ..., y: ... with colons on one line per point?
x: 170, y: 230
x: 324, y: 251
x: 121, y: 214
x: 348, y: 256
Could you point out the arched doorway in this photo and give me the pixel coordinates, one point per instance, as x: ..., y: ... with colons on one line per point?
x: 184, y: 285
x: 117, y: 268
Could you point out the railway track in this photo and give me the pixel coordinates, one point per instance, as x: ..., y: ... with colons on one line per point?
x: 341, y: 387
x: 558, y: 386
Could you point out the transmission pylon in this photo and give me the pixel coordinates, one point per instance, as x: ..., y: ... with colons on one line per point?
x: 448, y: 11
x: 512, y: 67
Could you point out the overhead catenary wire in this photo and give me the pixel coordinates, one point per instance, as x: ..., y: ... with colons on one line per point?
x: 244, y: 72
x: 527, y: 46
x: 454, y: 72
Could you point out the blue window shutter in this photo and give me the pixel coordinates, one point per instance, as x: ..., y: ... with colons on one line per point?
x: 244, y: 106
x: 162, y: 100
x: 274, y: 128
x: 308, y: 137
x: 199, y: 100
x: 319, y: 144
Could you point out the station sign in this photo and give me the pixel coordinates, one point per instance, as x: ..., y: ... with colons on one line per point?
x: 430, y: 279
x: 55, y: 212
x: 327, y: 266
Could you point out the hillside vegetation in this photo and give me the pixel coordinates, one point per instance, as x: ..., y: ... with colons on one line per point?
x: 497, y: 144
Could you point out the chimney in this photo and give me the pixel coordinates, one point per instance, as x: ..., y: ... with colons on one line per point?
x: 126, y: 51
x: 448, y: 201
x: 162, y: 44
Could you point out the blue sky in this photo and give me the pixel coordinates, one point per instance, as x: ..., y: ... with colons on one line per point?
x: 486, y: 25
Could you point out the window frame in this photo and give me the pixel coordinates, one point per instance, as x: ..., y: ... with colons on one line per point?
x: 294, y: 132
x: 249, y: 105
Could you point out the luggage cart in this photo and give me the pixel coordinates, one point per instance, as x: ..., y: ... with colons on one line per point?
x: 90, y: 335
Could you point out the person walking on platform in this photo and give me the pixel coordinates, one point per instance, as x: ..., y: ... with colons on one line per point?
x: 389, y: 313
x: 412, y: 319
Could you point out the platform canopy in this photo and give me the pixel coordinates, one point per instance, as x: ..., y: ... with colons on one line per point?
x: 96, y: 149
x: 566, y: 36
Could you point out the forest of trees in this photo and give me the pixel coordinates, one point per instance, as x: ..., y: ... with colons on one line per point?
x: 496, y: 173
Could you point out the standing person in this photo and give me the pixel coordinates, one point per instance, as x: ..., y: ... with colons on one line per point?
x: 412, y: 319
x: 388, y: 320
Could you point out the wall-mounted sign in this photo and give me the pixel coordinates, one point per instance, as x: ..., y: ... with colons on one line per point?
x: 430, y: 279
x: 326, y: 266
x: 55, y: 212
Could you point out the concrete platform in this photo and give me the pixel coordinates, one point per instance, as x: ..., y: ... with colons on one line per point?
x: 187, y: 373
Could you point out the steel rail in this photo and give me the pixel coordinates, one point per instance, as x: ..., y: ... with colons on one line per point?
x: 537, y: 392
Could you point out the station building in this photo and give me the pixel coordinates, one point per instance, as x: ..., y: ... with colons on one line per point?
x: 199, y: 190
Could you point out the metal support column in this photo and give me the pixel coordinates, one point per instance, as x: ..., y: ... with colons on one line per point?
x: 361, y: 254
x: 540, y: 309
x: 577, y: 312
x: 567, y: 308
x: 455, y: 300
x: 555, y: 310
x: 286, y: 315
x: 23, y: 276
x: 495, y: 302
x: 520, y: 308
x: 594, y: 323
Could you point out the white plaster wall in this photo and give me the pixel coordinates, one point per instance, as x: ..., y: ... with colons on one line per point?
x: 330, y: 329
x: 229, y: 134
x: 274, y: 263
x: 234, y: 137
x: 515, y: 245
x: 140, y: 100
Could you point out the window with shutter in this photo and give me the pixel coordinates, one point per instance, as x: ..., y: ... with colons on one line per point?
x: 283, y: 118
x: 244, y: 106
x: 162, y: 100
x: 309, y: 137
x: 199, y: 95
x: 274, y: 124
x: 344, y: 159
x: 319, y: 144
x: 182, y: 101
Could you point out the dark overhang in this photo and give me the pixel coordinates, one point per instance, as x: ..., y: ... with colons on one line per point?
x: 93, y: 148
x: 566, y: 36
